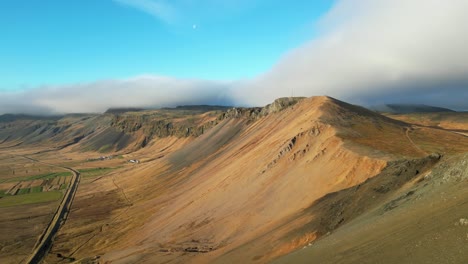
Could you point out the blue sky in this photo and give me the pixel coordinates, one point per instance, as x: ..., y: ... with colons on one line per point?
x: 55, y: 42
x: 75, y: 56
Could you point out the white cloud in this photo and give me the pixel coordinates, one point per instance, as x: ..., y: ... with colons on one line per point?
x: 184, y: 12
x: 158, y: 8
x: 372, y: 51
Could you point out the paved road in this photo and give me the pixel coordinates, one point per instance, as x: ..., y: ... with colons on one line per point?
x: 45, y: 241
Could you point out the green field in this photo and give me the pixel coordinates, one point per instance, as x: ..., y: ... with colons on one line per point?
x: 30, y: 198
x: 36, y: 189
x: 23, y: 191
x: 40, y: 176
x: 94, y: 172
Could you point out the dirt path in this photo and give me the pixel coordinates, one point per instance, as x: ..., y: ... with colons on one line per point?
x: 412, y: 142
x: 97, y: 232
x: 45, y: 240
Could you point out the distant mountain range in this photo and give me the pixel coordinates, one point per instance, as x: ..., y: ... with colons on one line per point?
x: 408, y: 108
x: 203, y: 108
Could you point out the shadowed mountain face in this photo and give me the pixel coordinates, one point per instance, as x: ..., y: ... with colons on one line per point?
x: 250, y: 184
x: 116, y: 130
x: 409, y: 108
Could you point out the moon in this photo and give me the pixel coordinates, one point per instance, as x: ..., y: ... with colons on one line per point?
x: 194, y: 26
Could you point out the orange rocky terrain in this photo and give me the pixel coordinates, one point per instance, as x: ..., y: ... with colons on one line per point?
x: 250, y: 184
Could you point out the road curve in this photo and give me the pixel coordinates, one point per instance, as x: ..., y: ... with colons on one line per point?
x: 45, y: 241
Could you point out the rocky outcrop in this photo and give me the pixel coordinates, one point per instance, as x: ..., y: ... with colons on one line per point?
x: 254, y: 113
x: 290, y: 145
x: 452, y: 170
x: 158, y: 125
x: 154, y: 127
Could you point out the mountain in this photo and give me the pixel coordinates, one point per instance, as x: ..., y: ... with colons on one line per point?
x: 292, y: 182
x: 200, y: 108
x: 123, y: 110
x: 408, y: 108
x: 15, y: 117
x: 456, y: 121
x: 203, y: 108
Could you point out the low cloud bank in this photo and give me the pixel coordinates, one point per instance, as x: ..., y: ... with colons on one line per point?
x: 144, y: 91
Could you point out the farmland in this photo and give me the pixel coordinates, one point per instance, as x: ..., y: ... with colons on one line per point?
x: 29, y: 195
x: 14, y: 168
x: 95, y: 172
x: 30, y: 198
x: 31, y: 191
x: 34, y: 184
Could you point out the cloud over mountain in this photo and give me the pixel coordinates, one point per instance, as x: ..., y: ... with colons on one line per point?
x: 371, y: 51
x: 143, y: 91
